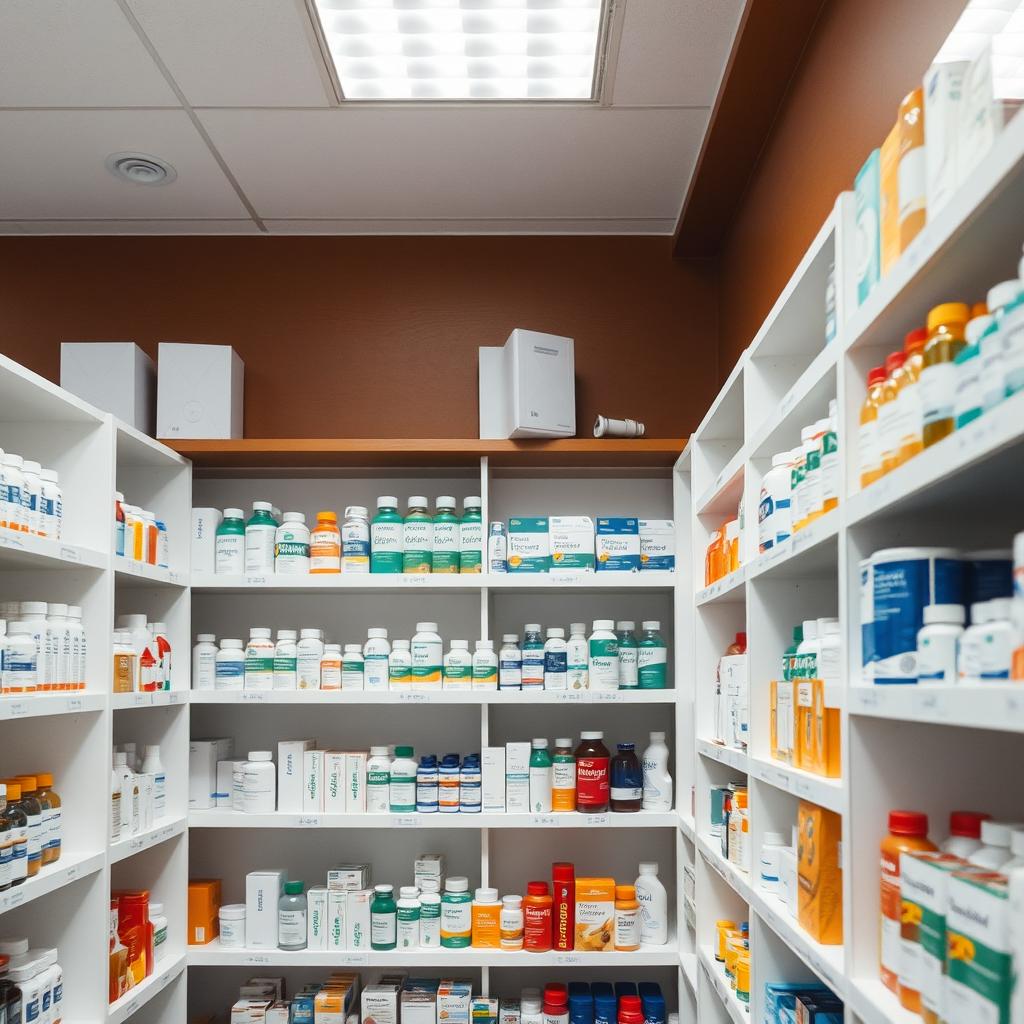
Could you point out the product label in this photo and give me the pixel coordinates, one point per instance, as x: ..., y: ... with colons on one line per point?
x: 592, y: 782
x: 330, y: 673
x: 402, y: 794
x: 456, y: 923
x: 458, y: 675
x: 375, y: 672
x: 936, y: 658
x: 308, y: 668
x: 529, y: 544
x: 259, y: 549
x: 399, y: 670
x: 259, y: 668
x: 378, y: 789
x: 325, y: 551
x: 604, y: 664
x: 229, y: 675
x: 555, y: 670
x: 230, y: 553
x: 938, y: 388
x: 967, y: 391
x: 445, y: 551
x: 383, y: 929
x: 290, y: 551
x: 909, y: 415
x: 1013, y: 353
x: 510, y: 671
x: 417, y: 542
x: 652, y: 664
x: 291, y: 928
x: 563, y: 784
x: 408, y: 927
x: 485, y: 675
x: 533, y: 665
x: 426, y: 663
x: 868, y: 448
x: 627, y: 929
x: 627, y: 666
x: 471, y: 541
x: 829, y: 469
x: 351, y: 673
x: 386, y: 546
x: 355, y: 547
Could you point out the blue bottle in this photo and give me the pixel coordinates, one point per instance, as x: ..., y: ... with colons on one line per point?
x: 605, y: 1003
x: 426, y: 785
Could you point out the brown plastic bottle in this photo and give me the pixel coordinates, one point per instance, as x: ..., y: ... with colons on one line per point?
x: 51, y: 817
x: 946, y: 325
x: 592, y: 774
x: 6, y: 853
x: 34, y: 811
x: 19, y: 832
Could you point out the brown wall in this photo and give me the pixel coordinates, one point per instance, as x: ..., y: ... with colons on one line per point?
x: 377, y: 337
x: 862, y: 58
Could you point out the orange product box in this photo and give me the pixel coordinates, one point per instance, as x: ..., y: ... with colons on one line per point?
x: 804, y: 752
x: 889, y: 198
x: 819, y: 874
x: 825, y: 707
x: 203, y: 908
x: 911, y: 172
x: 595, y: 914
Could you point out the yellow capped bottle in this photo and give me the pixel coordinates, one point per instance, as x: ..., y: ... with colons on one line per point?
x: 946, y: 325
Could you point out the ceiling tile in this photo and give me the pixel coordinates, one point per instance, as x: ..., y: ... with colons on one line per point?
x: 674, y: 51
x: 52, y: 167
x: 130, y: 227
x: 75, y: 53
x: 245, y: 53
x: 480, y: 226
x: 438, y: 163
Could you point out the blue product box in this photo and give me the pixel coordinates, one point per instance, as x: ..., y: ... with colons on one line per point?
x: 618, y: 544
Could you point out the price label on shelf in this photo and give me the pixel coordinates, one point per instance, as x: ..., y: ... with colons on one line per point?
x: 75, y: 704
x: 568, y: 959
x: 787, y: 403
x: 407, y: 821
x: 412, y: 698
x: 252, y: 697
x: 142, y: 698
x: 257, y: 958
x: 801, y: 787
x: 608, y: 695
x: 17, y: 708
x: 9, y: 541
x: 256, y: 581
x: 176, y: 578
x: 309, y: 821
x: 544, y: 820
x: 71, y: 873
x: 868, y: 696
x: 414, y: 579
x: 596, y: 820
x: 136, y: 844
x: 354, y: 959
x: 569, y: 696
x: 934, y: 704
x: 130, y: 1008
x: 69, y: 554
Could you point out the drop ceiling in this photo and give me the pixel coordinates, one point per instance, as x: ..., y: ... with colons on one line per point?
x: 235, y: 95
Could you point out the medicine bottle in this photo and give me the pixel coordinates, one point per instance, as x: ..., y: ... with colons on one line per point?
x: 34, y: 813
x: 376, y: 652
x: 624, y: 633
x: 17, y: 836
x: 486, y: 919
x: 355, y: 540
x: 430, y: 915
x: 471, y: 536
x: 967, y: 393
x: 79, y: 647
x: 352, y: 665
x: 510, y: 663
x: 378, y: 781
x: 456, y: 913
x: 511, y: 923
x: 946, y: 325
x: 260, y: 783
x: 652, y: 657
x: 627, y: 780
x: 291, y: 546
x: 994, y: 851
x: 204, y: 661
x: 402, y: 783
x: 229, y: 666
x: 308, y: 652
x: 14, y: 481
x: 533, y: 657
x: 540, y: 777
x: 592, y: 774
x: 417, y: 536
x: 556, y: 660
x: 30, y: 495
x: 152, y: 765
x: 446, y: 542
x: 773, y: 518
x: 325, y: 544
x: 426, y: 785
x: 286, y: 660
x: 653, y: 900
x: 20, y: 659
x: 627, y: 918
x: 577, y: 658
x: 259, y: 660
x: 159, y: 922
x: 399, y: 665
x: 556, y: 1004
x: 657, y: 785
x: 485, y: 666
x: 470, y: 785
x: 52, y: 822
x: 291, y: 917
x: 909, y: 413
x: 630, y: 1010
x: 449, y: 774
x: 964, y: 833
x: 260, y: 533
x: 531, y: 1006
x: 386, y: 537
x: 383, y: 918
x: 497, y: 549
x: 968, y: 663
x: 426, y: 657
x: 537, y: 918
x: 52, y: 519
x: 408, y: 918
x: 458, y: 666
x: 889, y: 429
x: 937, y: 643
x: 603, y: 656
x: 229, y: 543
x: 999, y: 641
x: 563, y: 776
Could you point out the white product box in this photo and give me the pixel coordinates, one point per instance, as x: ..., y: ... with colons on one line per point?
x: 572, y: 544
x: 732, y: 669
x: 453, y: 1001
x: 290, y: 777
x: 262, y: 892
x: 788, y: 878
x: 204, y: 539
x: 337, y: 920
x: 355, y: 782
x: 943, y: 93
x: 529, y: 544
x: 199, y: 391
x: 348, y: 877
x: 517, y: 778
x: 509, y: 1011
x: 277, y: 1014
x: 203, y: 756
x: 617, y: 543
x: 380, y: 1003
x: 250, y: 1011
x: 419, y: 1006
x: 334, y: 782
x: 492, y: 780
x: 983, y: 115
x: 115, y: 376
x: 528, y: 387
x: 657, y: 545
x: 312, y: 782
x: 276, y: 986
x: 317, y: 917
x: 357, y: 918
x: 146, y: 782
x: 224, y: 794
x: 429, y: 866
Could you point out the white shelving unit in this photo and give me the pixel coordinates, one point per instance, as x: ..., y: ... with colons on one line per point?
x: 964, y: 492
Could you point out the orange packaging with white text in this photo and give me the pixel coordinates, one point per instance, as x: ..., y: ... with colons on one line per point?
x: 595, y: 914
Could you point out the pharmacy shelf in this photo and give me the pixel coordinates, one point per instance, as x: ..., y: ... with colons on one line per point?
x: 168, y: 969
x: 140, y: 574
x: 827, y: 793
x: 688, y: 965
x: 729, y: 589
x: 26, y: 551
x: 737, y: 880
x: 44, y: 705
x: 159, y: 699
x: 68, y: 869
x: 568, y: 819
x: 728, y: 480
x: 724, y: 755
x: 998, y: 707
x: 808, y: 553
x: 686, y: 823
x: 825, y: 961
x: 873, y: 1003
x: 594, y: 581
x: 162, y: 831
x: 975, y: 464
x: 213, y: 954
x: 738, y: 1011
x: 516, y: 697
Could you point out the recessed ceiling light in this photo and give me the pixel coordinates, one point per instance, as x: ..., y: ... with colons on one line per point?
x: 141, y: 169
x: 463, y: 49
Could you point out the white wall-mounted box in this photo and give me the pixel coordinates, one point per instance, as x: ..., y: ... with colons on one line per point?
x: 115, y: 376
x: 199, y: 391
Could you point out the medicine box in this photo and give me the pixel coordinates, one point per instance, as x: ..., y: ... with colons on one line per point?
x: 336, y: 936
x: 115, y: 376
x: 453, y: 1001
x: 529, y: 544
x: 380, y: 1004
x: 290, y: 774
x: 204, y: 901
x: 657, y: 545
x: 429, y: 866
x: 618, y: 544
x: 517, y: 778
x: 595, y: 914
x: 334, y: 782
x: 820, y: 874
x: 316, y: 917
x: 312, y: 781
x: 250, y: 1011
x: 867, y: 199
x: 203, y: 756
x: 571, y: 541
x: 355, y: 782
x: 492, y: 780
x: 357, y: 919
x: 277, y: 1014
x: 348, y: 877
x: 889, y: 246
x: 483, y: 1010
x: 262, y: 892
x: 199, y: 391
x: 943, y: 93
x: 419, y: 1005
x: 509, y: 1011
x: 224, y: 794
x: 275, y: 985
x: 204, y: 539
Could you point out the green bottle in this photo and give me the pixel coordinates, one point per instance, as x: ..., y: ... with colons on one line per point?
x: 628, y: 675
x: 652, y: 657
x: 540, y: 777
x: 260, y: 533
x: 383, y: 918
x: 790, y: 652
x: 456, y: 913
x: 445, y: 552
x: 471, y: 536
x: 229, y: 542
x: 417, y: 536
x: 386, y: 536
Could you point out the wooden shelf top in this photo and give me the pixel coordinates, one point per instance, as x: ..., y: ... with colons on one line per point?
x: 300, y: 452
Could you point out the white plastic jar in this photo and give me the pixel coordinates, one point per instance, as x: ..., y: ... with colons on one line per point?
x: 427, y: 655
x: 13, y: 513
x: 510, y: 663
x: 577, y: 658
x: 937, y: 643
x: 603, y: 646
x: 259, y: 660
x: 772, y: 846
x: 260, y: 783
x: 408, y: 907
x: 485, y: 666
x: 556, y: 659
x: 997, y: 642
x: 375, y: 659
x: 331, y: 668
x: 79, y: 646
x: 229, y: 666
x: 31, y: 495
x: 773, y: 511
x: 355, y: 540
x: 969, y: 656
x: 378, y: 781
x: 285, y: 658
x: 352, y: 667
x: 291, y: 546
x: 458, y: 666
x: 20, y: 672
x: 995, y: 845
x: 309, y: 651
x: 52, y: 519
x: 232, y: 925
x: 399, y: 665
x: 159, y: 922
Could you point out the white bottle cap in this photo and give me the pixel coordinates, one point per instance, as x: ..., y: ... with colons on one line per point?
x: 120, y: 759
x: 512, y: 902
x: 154, y: 749
x: 979, y: 613
x: 231, y: 645
x: 39, y: 608
x: 49, y: 475
x: 602, y: 625
x: 426, y: 627
x: 563, y: 741
x: 295, y: 517
x: 976, y: 327
x: 355, y: 512
x: 625, y: 626
x: 332, y: 649
x: 13, y: 947
x: 255, y: 633
x: 74, y: 611
x: 383, y: 888
x: 408, y: 892
x: 485, y: 645
x: 577, y: 627
x: 953, y: 613
x: 286, y: 634
x: 556, y: 633
x: 418, y: 501
x: 263, y: 506
x: 773, y: 839
x: 460, y: 645
x: 446, y: 501
x: 387, y: 501
x: 1001, y: 294
x: 998, y: 833
x: 56, y: 610
x: 650, y: 625
x: 456, y: 883
x: 539, y: 744
x: 486, y: 895
x: 648, y: 867
x: 592, y: 735
x: 657, y: 737
x: 1017, y: 842
x: 1000, y: 609
x: 472, y: 502
x: 531, y: 627
x: 529, y: 1000
x: 377, y: 633
x: 400, y: 645
x: 810, y: 629
x: 510, y: 638
x: 233, y: 513
x: 31, y: 466
x: 780, y: 459
x: 260, y: 755
x: 378, y: 751
x: 206, y: 638
x: 309, y: 634
x: 12, y: 460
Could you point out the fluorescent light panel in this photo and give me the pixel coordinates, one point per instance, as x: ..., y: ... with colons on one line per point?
x: 463, y: 49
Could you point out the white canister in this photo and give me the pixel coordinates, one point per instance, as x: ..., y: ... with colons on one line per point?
x: 232, y: 925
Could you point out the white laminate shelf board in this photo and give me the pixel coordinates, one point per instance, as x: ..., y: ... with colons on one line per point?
x: 738, y: 1013
x: 157, y: 699
x: 730, y: 475
x: 726, y: 590
x: 999, y: 706
x: 51, y: 877
x: 44, y: 705
x: 737, y: 880
x: 27, y: 551
x: 807, y: 552
x: 167, y: 969
x: 524, y: 699
x: 321, y: 820
x: 827, y: 793
x: 142, y: 574
x: 166, y: 828
x: 730, y: 756
x: 470, y: 583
